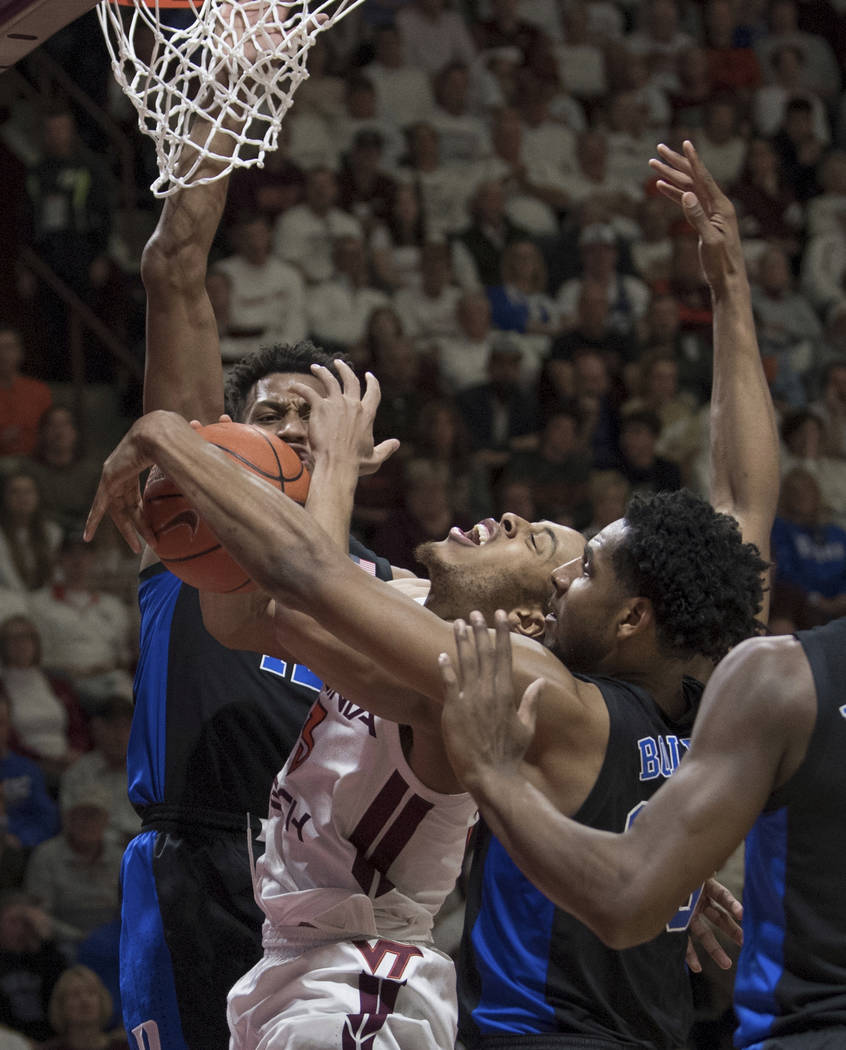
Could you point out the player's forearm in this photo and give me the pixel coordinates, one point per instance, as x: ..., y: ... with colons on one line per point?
x: 744, y: 438
x: 331, y: 494
x: 183, y: 368
x: 278, y: 544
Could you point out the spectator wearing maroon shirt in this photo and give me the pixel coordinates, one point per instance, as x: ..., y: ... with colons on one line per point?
x: 23, y: 400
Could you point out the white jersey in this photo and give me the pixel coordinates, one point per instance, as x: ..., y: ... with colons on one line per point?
x: 356, y: 845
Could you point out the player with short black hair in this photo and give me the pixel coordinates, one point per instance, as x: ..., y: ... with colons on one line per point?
x: 670, y: 538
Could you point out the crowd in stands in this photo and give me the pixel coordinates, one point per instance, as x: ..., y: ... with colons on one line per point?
x: 461, y: 202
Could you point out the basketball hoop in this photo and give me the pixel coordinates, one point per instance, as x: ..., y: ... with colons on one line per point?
x: 218, y: 87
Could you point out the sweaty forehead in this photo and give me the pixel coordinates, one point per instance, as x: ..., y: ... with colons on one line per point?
x: 277, y: 387
x: 569, y: 543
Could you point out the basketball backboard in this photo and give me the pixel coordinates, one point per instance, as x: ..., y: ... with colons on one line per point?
x: 24, y: 24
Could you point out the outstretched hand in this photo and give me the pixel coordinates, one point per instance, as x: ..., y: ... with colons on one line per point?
x: 341, y: 419
x: 718, y: 908
x: 119, y: 491
x: 684, y: 179
x: 482, y: 726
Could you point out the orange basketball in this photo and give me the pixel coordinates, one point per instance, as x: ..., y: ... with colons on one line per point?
x: 185, y: 544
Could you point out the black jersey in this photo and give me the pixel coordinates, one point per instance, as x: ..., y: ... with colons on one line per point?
x: 792, y: 972
x: 527, y: 967
x: 212, y: 725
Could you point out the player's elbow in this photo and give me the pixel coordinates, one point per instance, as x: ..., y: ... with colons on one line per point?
x: 172, y: 265
x: 624, y: 919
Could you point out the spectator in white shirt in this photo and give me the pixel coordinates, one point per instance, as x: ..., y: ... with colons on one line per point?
x: 434, y: 36
x: 463, y: 136
x: 266, y: 295
x: 463, y: 361
x: 628, y: 297
x: 338, y: 309
x: 444, y: 190
x: 429, y: 312
x: 719, y: 144
x: 85, y: 632
x: 659, y: 38
x: 304, y: 234
x: 820, y: 71
x: 403, y: 91
x: 769, y: 102
x: 105, y: 768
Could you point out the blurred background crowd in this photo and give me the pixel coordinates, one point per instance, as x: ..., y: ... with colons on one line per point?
x: 461, y: 203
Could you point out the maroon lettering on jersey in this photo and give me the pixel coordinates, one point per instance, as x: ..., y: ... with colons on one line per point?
x: 305, y: 744
x: 352, y: 711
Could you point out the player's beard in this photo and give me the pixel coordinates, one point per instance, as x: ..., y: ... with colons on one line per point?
x: 458, y: 589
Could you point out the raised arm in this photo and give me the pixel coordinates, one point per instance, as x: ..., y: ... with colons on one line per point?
x: 744, y: 473
x: 750, y: 734
x: 182, y: 371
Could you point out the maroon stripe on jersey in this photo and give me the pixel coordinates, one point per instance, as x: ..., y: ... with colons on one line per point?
x: 375, y: 817
x: 396, y: 838
x: 372, y: 822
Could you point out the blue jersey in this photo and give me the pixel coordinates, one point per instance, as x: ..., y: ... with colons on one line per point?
x: 529, y: 969
x: 791, y: 976
x: 212, y: 725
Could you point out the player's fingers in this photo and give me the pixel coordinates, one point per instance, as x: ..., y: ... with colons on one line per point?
x: 724, y: 922
x: 673, y: 157
x: 705, y: 181
x: 700, y: 929
x: 330, y: 382
x: 502, y: 651
x: 671, y: 192
x: 307, y: 393
x: 95, y: 514
x: 485, y: 651
x: 385, y: 449
x: 349, y: 380
x: 691, y: 958
x: 448, y: 678
x: 695, y: 214
x: 722, y: 895
x: 372, y: 394
x: 527, y: 712
x: 124, y: 525
x: 224, y: 417
x: 670, y: 174
x: 194, y: 424
x: 466, y: 649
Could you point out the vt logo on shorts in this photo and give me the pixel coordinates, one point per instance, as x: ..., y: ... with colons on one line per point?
x: 377, y: 995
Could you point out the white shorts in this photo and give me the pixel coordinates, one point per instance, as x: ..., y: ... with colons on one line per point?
x: 348, y: 995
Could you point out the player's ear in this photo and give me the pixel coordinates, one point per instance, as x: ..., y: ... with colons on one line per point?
x: 636, y: 616
x: 527, y: 620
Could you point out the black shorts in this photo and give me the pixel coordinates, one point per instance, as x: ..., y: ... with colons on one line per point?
x: 190, y: 928
x: 819, y: 1039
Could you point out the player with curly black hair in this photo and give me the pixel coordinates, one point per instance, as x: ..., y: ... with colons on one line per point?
x: 531, y: 975
x: 691, y: 562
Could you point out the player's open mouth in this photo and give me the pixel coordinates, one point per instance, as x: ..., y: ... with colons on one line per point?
x: 478, y: 536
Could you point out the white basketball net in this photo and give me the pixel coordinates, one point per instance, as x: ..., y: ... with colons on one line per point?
x: 218, y: 89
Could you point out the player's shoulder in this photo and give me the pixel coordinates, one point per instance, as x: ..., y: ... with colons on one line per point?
x: 769, y: 660
x: 763, y: 681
